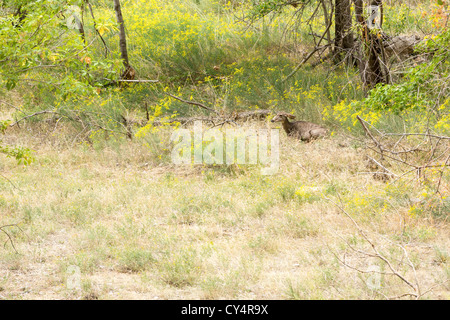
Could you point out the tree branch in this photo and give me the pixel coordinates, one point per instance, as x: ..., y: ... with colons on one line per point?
x: 193, y: 103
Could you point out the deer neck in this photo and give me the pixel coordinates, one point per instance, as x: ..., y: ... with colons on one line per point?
x: 287, y: 126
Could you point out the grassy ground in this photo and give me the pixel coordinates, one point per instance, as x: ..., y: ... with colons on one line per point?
x: 144, y: 231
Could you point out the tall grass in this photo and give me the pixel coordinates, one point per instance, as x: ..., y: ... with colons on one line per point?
x: 210, y: 56
x: 201, y: 50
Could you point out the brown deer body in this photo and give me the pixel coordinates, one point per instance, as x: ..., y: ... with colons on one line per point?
x: 303, y: 130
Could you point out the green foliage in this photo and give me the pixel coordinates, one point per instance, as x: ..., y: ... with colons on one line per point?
x: 4, y: 125
x: 200, y: 53
x: 424, y: 87
x: 265, y: 7
x: 400, y: 17
x: 21, y: 154
x: 420, y: 98
x: 44, y: 48
x: 262, y: 8
x: 178, y: 41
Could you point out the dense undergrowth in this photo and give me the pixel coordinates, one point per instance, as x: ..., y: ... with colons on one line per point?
x: 206, y: 51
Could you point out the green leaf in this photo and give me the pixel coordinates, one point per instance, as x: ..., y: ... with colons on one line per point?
x: 10, y: 84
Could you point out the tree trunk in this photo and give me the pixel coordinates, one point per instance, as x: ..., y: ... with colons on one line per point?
x: 129, y: 72
x: 80, y: 25
x: 21, y: 14
x: 376, y: 60
x: 371, y: 60
x: 359, y: 9
x: 328, y: 19
x: 343, y: 23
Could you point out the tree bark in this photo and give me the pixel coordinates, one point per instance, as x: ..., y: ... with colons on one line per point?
x: 371, y: 60
x: 328, y: 19
x: 80, y: 25
x: 343, y: 23
x: 21, y: 14
x: 375, y: 53
x: 129, y: 72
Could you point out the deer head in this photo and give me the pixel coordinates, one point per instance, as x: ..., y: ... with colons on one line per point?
x: 282, y: 116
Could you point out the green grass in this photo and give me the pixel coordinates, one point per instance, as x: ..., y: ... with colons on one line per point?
x: 213, y: 234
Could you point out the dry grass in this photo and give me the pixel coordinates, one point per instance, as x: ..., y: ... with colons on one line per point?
x: 137, y: 229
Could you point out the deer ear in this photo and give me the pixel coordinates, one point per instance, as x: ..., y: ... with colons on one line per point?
x: 291, y: 116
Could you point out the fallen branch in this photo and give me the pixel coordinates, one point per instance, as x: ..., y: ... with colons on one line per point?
x: 418, y: 134
x: 2, y: 228
x: 424, y: 155
x: 258, y: 114
x: 183, y: 120
x: 32, y: 115
x: 215, y: 121
x: 139, y: 81
x: 370, y: 134
x: 135, y: 81
x: 376, y: 254
x: 386, y: 171
x: 10, y: 182
x: 13, y: 106
x: 198, y: 104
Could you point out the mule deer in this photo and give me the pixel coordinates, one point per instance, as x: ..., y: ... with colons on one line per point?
x: 305, y: 131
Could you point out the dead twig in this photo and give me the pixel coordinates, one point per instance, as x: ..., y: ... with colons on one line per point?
x: 133, y: 81
x: 32, y: 115
x: 2, y: 228
x: 10, y: 182
x: 427, y: 154
x: 379, y: 146
x: 216, y: 121
x: 96, y: 30
x: 417, y: 134
x: 305, y: 59
x: 376, y: 253
x: 317, y: 48
x: 13, y: 106
x: 198, y: 104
